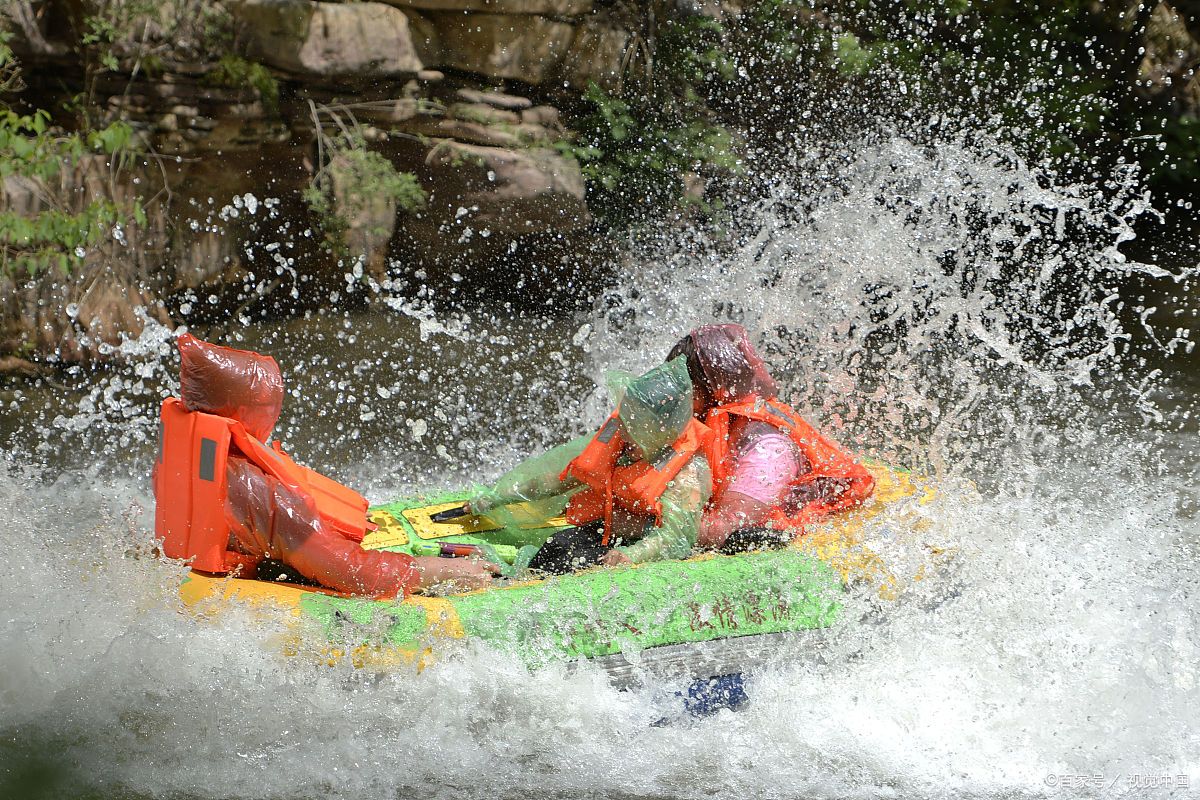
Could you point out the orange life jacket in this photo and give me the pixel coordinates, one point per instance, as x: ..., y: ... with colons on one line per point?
x: 826, y: 459
x: 635, y: 487
x: 190, y: 487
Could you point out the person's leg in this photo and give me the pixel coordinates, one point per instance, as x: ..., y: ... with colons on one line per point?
x: 744, y: 540
x: 570, y: 549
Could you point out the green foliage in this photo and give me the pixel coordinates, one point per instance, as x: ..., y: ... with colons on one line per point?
x: 236, y: 72
x: 320, y: 201
x: 1040, y: 68
x: 851, y: 57
x: 352, y: 179
x: 691, y: 52
x: 55, y: 237
x: 10, y: 72
x: 639, y: 146
x: 137, y: 36
x: 1057, y: 79
x: 641, y: 162
x: 142, y: 37
x: 1173, y: 156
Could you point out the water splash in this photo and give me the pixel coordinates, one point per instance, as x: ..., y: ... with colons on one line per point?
x: 948, y: 307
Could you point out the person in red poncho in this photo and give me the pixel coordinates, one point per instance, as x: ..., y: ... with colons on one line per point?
x: 226, y: 500
x: 773, y: 473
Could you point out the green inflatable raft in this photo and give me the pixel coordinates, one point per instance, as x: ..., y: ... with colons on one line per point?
x: 707, y: 615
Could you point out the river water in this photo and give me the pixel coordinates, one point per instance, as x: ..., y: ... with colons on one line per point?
x: 947, y: 308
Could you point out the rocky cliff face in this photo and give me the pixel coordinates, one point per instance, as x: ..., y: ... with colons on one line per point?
x: 459, y: 93
x: 289, y: 151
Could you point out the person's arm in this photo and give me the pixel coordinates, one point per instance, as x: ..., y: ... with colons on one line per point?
x: 535, y: 478
x: 826, y: 495
x: 682, y: 505
x: 734, y: 511
x: 760, y: 478
x: 452, y: 574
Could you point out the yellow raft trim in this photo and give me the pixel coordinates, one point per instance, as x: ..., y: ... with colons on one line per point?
x: 391, y: 532
x: 838, y: 542
x: 426, y: 528
x: 200, y: 590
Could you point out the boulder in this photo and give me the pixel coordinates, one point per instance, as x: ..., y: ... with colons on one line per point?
x: 328, y: 40
x: 506, y: 102
x: 485, y: 197
x: 594, y: 55
x: 546, y: 116
x: 75, y: 316
x: 512, y: 136
x: 491, y: 209
x: 370, y: 219
x: 483, y: 113
x: 524, y: 48
x: 512, y: 191
x: 549, y: 8
x: 474, y: 132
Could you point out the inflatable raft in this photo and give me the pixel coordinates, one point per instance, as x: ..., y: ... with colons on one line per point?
x: 708, y: 615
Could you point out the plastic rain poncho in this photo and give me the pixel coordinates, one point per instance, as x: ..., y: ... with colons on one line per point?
x: 266, y: 518
x: 653, y: 409
x: 724, y: 364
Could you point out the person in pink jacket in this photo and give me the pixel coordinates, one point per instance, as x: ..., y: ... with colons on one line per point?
x: 773, y: 473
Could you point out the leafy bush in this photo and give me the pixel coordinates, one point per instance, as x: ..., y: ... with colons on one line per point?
x: 1056, y: 78
x: 236, y: 72
x: 56, y: 237
x: 639, y: 145
x: 351, y: 179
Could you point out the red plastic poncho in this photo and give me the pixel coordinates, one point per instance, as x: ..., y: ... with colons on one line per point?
x: 270, y: 520
x: 266, y: 518
x: 231, y: 383
x: 730, y: 369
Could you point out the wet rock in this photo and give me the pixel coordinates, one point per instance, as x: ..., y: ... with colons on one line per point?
x: 485, y: 156
x: 370, y: 220
x: 466, y: 132
x: 551, y: 8
x: 12, y: 365
x: 524, y: 48
x: 484, y: 113
x: 501, y: 100
x: 77, y: 317
x: 505, y: 191
x: 74, y: 316
x: 490, y: 206
x: 532, y: 134
x: 1168, y: 71
x: 595, y: 54
x: 388, y: 113
x: 219, y: 240
x: 546, y: 116
x: 363, y: 40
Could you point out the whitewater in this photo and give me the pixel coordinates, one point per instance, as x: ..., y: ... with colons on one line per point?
x: 944, y: 307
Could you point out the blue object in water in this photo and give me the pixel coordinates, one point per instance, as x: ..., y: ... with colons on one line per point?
x: 706, y: 697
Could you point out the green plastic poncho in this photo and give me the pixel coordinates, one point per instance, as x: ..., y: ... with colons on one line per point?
x: 654, y: 409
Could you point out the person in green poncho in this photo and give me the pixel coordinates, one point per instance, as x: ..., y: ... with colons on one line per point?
x: 638, y: 486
